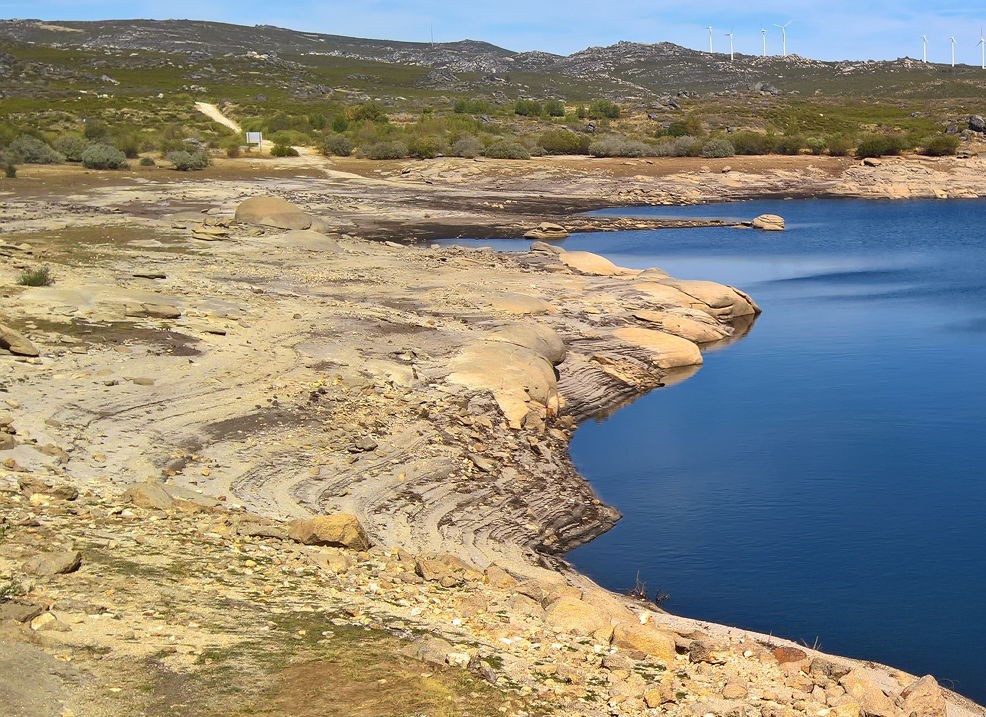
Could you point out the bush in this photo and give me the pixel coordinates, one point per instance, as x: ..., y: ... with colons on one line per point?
x: 679, y: 147
x: 747, y: 142
x: 599, y: 109
x: 72, y: 146
x: 386, y: 150
x: 688, y: 127
x: 9, y: 170
x: 554, y: 108
x: 527, y: 108
x: 505, y: 149
x: 337, y: 145
x: 840, y: 145
x: 815, y: 145
x: 42, y: 276
x: 562, y: 141
x: 426, y: 147
x: 103, y: 156
x: 185, y: 161
x: 31, y: 150
x: 879, y: 145
x: 467, y: 146
x: 147, y: 162
x: 128, y: 144
x: 96, y: 131
x: 940, y: 145
x: 339, y: 124
x: 616, y: 146
x: 233, y: 150
x: 789, y: 144
x: 472, y: 107
x: 718, y: 148
x: 370, y: 112
x: 283, y: 150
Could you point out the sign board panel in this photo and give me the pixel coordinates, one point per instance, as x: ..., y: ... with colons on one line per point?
x: 254, y: 137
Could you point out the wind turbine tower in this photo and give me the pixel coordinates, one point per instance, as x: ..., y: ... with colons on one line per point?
x: 731, y: 53
x: 784, y: 36
x: 763, y: 36
x: 982, y: 49
x: 709, y: 28
x: 952, y: 40
x: 924, y: 39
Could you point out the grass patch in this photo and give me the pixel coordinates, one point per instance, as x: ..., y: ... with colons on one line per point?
x: 39, y: 276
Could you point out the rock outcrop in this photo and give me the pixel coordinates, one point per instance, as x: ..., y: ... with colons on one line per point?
x: 769, y: 223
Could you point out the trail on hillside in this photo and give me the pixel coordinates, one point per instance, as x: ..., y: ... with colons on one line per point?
x: 213, y: 113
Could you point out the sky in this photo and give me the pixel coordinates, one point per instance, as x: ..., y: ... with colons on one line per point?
x: 823, y: 29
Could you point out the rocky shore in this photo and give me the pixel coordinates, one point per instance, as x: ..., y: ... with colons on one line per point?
x: 221, y: 358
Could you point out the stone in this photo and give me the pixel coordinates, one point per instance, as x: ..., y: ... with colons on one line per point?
x: 667, y: 350
x: 54, y: 563
x: 307, y: 239
x: 339, y: 530
x: 769, y: 223
x: 645, y: 638
x: 541, y: 339
x: 46, y: 622
x: 272, y: 212
x: 433, y: 650
x: 152, y: 311
x: 977, y: 123
x: 512, y: 303
x: 870, y: 697
x: 539, y: 247
x: 822, y: 668
x: 332, y: 559
x: 923, y: 698
x: 16, y: 343
x: 789, y: 654
x: 500, y: 578
x: 695, y: 330
x: 19, y: 612
x: 871, y: 162
x: 547, y: 231
x: 846, y: 709
x: 707, y: 652
x: 734, y: 691
x: 657, y: 696
x: 586, y: 262
x: 718, y: 300
x: 439, y: 567
x: 149, y: 494
x: 574, y: 616
x: 7, y: 442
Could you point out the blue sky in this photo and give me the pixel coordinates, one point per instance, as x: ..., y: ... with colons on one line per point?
x: 824, y: 29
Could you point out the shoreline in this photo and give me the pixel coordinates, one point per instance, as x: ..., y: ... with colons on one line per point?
x: 323, y: 373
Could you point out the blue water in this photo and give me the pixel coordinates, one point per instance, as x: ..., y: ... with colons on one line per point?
x: 825, y: 477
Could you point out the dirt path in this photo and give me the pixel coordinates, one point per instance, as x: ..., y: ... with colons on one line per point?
x: 213, y: 113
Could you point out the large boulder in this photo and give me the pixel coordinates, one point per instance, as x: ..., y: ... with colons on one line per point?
x: 16, y: 343
x: 536, y: 337
x: 340, y: 530
x: 700, y: 331
x: 586, y: 262
x: 645, y: 638
x: 769, y: 223
x: 977, y: 123
x: 722, y: 302
x: 574, y: 616
x: 923, y: 698
x: 667, y: 350
x: 55, y: 563
x: 149, y: 494
x: 516, y: 376
x: 868, y: 694
x: 445, y: 569
x: 547, y: 231
x: 272, y: 212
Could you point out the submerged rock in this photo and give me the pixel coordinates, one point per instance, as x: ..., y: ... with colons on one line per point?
x: 769, y: 223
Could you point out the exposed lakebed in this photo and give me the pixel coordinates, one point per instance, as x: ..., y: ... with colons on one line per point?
x: 825, y: 477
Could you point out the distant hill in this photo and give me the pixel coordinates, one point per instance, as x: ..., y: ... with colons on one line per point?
x: 622, y: 71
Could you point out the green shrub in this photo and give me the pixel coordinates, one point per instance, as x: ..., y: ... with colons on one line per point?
x: 815, y: 145
x: 283, y: 150
x: 840, y: 145
x: 185, y: 161
x: 386, y: 150
x: 617, y: 146
x: 472, y: 107
x: 879, y: 145
x: 718, y: 148
x: 96, y: 131
x: 72, y: 146
x: 233, y: 149
x: 467, y: 146
x: 600, y: 109
x: 507, y: 149
x: 563, y: 141
x: 940, y: 145
x: 31, y: 150
x: 425, y: 147
x: 103, y: 156
x: 41, y: 276
x: 129, y: 144
x: 527, y: 108
x: 554, y: 108
x: 337, y: 145
x: 339, y: 124
x: 147, y: 162
x: 369, y: 112
x: 317, y: 121
x: 789, y: 144
x: 685, y: 146
x: 9, y: 169
x: 748, y: 142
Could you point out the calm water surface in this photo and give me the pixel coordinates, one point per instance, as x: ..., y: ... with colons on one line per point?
x: 825, y: 477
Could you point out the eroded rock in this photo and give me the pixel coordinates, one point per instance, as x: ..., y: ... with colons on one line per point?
x: 340, y: 530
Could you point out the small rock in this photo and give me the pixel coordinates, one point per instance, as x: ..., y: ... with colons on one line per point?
x: 924, y: 698
x: 46, y: 622
x: 55, y: 563
x: 340, y: 530
x: 149, y: 494
x: 16, y: 343
x: 734, y: 691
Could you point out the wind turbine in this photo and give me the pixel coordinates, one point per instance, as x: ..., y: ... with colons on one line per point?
x: 709, y: 28
x: 924, y: 39
x: 763, y: 36
x: 784, y: 35
x: 731, y: 54
x: 982, y: 49
x: 952, y: 40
